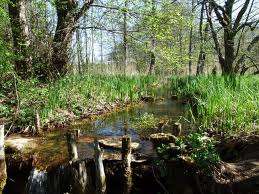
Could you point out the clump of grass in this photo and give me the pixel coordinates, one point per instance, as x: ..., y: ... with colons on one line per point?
x: 220, y: 106
x: 77, y: 95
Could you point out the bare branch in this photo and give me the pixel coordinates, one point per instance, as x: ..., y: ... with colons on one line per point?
x: 240, y: 14
x: 83, y: 9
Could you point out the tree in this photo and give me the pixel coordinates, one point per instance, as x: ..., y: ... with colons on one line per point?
x: 68, y: 15
x: 203, y: 35
x: 21, y: 37
x: 231, y: 28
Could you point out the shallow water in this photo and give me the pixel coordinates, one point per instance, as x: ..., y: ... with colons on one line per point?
x: 120, y: 123
x: 52, y: 150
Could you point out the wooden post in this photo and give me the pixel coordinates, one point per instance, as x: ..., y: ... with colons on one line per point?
x: 177, y: 129
x: 100, y: 174
x: 3, y: 174
x: 72, y: 149
x: 126, y: 159
x: 37, y: 122
x: 77, y: 133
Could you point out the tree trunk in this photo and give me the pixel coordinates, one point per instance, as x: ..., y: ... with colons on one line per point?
x: 152, y: 58
x: 153, y: 44
x: 92, y: 36
x: 191, y: 43
x: 125, y: 36
x: 101, y: 47
x: 229, y: 46
x: 86, y: 46
x: 79, y: 51
x: 21, y: 37
x: 68, y: 15
x: 61, y: 43
x: 202, y: 54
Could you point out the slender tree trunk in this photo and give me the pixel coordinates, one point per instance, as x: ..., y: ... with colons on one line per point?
x: 202, y: 54
x: 125, y: 36
x: 201, y: 59
x: 191, y: 43
x: 101, y: 47
x: 152, y: 58
x: 115, y: 58
x: 153, y: 44
x: 79, y: 51
x: 86, y: 46
x: 21, y: 37
x: 92, y: 36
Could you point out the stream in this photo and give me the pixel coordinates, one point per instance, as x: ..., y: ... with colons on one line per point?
x: 51, y: 150
x: 42, y: 167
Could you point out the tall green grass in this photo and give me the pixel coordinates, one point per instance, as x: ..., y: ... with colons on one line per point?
x: 220, y: 106
x: 80, y: 94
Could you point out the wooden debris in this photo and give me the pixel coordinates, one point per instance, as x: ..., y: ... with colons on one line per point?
x: 37, y: 123
x: 162, y: 138
x: 116, y: 143
x: 126, y: 159
x: 100, y: 175
x: 72, y: 148
x: 78, y: 133
x: 177, y: 129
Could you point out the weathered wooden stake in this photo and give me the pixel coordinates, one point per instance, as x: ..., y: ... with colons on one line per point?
x: 126, y: 159
x: 177, y: 129
x: 100, y: 174
x: 77, y: 133
x: 3, y: 174
x: 37, y: 122
x: 72, y: 149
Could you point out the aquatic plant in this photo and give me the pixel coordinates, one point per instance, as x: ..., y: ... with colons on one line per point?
x: 145, y: 121
x: 75, y: 95
x: 220, y: 106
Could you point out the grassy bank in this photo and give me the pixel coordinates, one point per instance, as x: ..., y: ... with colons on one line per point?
x: 72, y: 96
x: 219, y: 106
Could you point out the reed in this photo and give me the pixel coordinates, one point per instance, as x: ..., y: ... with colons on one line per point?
x: 220, y: 106
x: 79, y: 94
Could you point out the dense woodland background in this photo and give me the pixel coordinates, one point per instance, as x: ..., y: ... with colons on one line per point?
x: 46, y: 39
